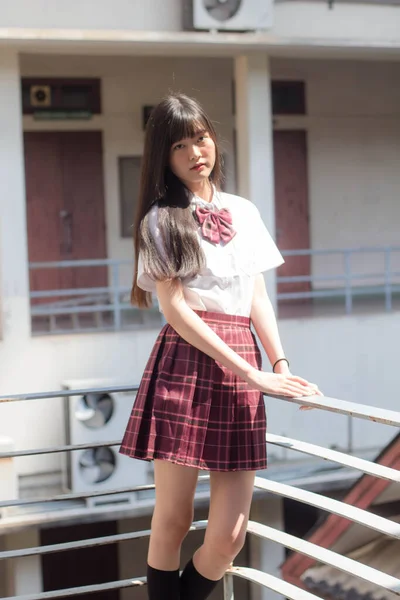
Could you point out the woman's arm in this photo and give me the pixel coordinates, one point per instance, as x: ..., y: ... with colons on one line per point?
x: 264, y: 320
x: 197, y: 333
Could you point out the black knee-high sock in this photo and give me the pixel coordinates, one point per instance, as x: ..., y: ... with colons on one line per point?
x: 193, y: 585
x: 162, y: 585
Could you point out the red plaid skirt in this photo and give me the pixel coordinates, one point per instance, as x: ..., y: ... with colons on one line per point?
x: 193, y: 411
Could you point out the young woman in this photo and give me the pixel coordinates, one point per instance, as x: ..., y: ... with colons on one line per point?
x: 200, y: 402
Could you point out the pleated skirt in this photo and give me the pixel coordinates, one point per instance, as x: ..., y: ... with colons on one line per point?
x: 193, y: 411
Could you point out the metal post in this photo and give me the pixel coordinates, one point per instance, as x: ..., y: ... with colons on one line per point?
x: 388, y: 286
x: 349, y: 434
x: 347, y: 270
x: 228, y: 587
x: 116, y: 303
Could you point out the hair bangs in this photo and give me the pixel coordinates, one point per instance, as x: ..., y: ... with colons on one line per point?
x: 185, y: 123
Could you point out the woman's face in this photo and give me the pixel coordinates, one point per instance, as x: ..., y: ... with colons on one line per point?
x: 192, y: 159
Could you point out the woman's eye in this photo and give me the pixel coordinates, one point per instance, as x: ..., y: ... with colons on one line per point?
x: 178, y: 146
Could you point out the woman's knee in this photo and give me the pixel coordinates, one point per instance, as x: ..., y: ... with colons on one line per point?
x: 227, y: 546
x: 173, y: 524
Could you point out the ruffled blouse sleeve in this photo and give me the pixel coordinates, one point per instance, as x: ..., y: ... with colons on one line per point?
x: 144, y: 279
x: 262, y: 253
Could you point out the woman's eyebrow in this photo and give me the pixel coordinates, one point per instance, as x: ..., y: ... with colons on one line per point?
x: 199, y: 132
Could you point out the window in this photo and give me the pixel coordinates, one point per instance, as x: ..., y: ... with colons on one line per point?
x: 288, y: 98
x: 129, y: 176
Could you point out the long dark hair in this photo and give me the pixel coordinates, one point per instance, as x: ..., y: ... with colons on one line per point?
x: 175, y: 118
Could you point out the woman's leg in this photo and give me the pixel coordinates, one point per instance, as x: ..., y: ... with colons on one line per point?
x: 172, y: 518
x: 231, y: 495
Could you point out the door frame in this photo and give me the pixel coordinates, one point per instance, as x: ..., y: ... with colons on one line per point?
x: 297, y: 123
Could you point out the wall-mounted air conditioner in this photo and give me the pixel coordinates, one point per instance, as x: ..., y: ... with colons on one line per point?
x: 232, y: 15
x: 100, y: 417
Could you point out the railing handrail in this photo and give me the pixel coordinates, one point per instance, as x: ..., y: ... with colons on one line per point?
x: 347, y: 511
x: 343, y: 563
x: 89, y: 262
x: 341, y: 458
x: 87, y: 543
x: 360, y: 464
x: 87, y: 589
x: 345, y: 250
x: 360, y: 411
x: 101, y: 262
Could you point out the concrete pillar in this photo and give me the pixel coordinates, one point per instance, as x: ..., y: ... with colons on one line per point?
x: 26, y: 572
x: 265, y: 555
x: 8, y: 474
x: 8, y: 491
x: 14, y: 282
x: 254, y: 147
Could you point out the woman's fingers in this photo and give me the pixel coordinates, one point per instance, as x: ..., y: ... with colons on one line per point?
x: 299, y: 379
x: 292, y: 389
x: 291, y: 386
x: 297, y: 390
x: 307, y: 384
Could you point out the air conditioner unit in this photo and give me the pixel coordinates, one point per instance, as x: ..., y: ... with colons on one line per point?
x: 101, y: 417
x: 232, y: 15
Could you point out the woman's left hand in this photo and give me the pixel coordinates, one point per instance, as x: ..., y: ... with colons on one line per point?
x: 283, y: 369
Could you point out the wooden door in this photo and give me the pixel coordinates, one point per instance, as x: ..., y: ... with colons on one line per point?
x: 291, y: 205
x: 81, y: 567
x: 44, y: 199
x: 65, y: 207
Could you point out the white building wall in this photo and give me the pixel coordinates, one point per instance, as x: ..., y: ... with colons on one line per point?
x: 352, y: 358
x: 128, y: 84
x: 356, y: 25
x: 357, y: 22
x: 139, y: 15
x: 335, y: 352
x: 353, y: 129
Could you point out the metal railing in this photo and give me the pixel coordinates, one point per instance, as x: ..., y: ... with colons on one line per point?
x: 107, y: 308
x: 102, y: 308
x: 328, y: 557
x: 383, y: 283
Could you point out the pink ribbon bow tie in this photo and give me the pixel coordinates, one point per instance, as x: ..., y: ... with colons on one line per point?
x: 216, y: 225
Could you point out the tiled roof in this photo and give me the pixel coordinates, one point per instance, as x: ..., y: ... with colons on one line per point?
x: 383, y: 554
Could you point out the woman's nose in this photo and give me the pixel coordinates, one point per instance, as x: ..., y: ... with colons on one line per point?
x: 195, y: 152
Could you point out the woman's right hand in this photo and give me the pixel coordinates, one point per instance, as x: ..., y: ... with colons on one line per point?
x: 278, y: 384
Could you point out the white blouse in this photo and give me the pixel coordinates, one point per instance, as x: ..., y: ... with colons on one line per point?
x: 226, y: 283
